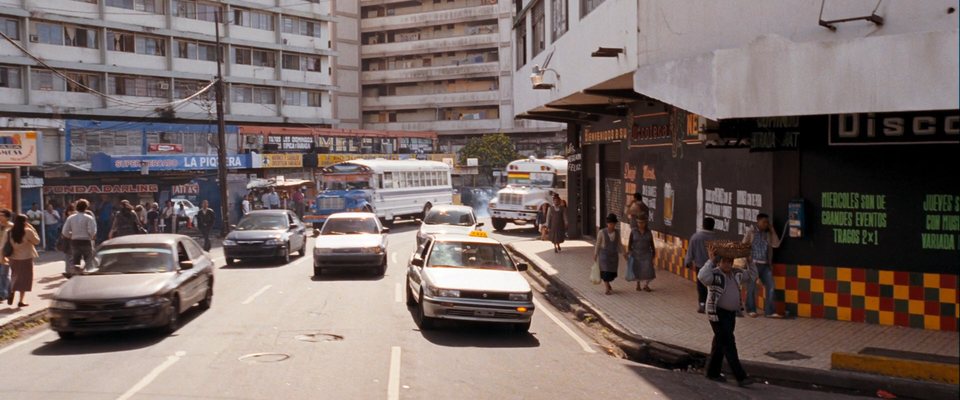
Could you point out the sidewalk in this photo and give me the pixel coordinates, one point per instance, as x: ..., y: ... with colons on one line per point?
x: 668, y: 316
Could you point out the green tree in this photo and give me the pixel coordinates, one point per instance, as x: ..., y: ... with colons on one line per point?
x: 492, y: 151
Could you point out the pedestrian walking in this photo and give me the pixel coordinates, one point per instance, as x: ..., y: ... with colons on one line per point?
x: 608, y: 251
x: 542, y: 220
x: 167, y: 217
x: 637, y: 210
x: 51, y: 226
x: 141, y: 214
x: 247, y: 205
x: 153, y: 218
x: 125, y: 222
x: 23, y: 239
x: 271, y: 199
x: 63, y: 243
x: 723, y: 302
x: 697, y: 256
x: 5, y: 226
x: 104, y: 215
x: 557, y: 222
x: 182, y: 217
x: 81, y: 230
x: 298, y: 205
x: 762, y: 239
x: 642, y: 252
x: 205, y: 220
x: 35, y: 216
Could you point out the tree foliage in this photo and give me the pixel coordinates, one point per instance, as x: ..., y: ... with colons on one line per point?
x: 492, y: 151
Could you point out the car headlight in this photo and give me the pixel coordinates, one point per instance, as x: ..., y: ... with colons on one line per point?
x: 229, y: 242
x: 146, y: 301
x: 322, y: 250
x: 519, y: 297
x: 372, y: 250
x: 273, y: 242
x: 63, y: 305
x: 447, y: 292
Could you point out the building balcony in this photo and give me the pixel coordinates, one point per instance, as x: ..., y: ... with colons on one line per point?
x: 443, y: 17
x: 431, y: 100
x: 450, y: 127
x: 451, y: 44
x: 448, y: 72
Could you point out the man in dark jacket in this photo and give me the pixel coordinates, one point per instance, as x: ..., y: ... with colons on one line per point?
x: 205, y: 219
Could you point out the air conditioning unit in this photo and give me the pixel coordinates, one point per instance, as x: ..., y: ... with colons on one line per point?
x: 34, y: 38
x: 284, y: 41
x: 163, y: 85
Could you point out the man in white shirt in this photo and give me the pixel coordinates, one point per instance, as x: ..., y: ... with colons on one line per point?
x: 81, y: 230
x: 35, y: 217
x: 245, y: 206
x: 51, y: 225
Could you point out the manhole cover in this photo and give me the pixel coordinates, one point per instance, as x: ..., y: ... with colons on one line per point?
x: 265, y: 357
x: 318, y: 337
x: 787, y: 355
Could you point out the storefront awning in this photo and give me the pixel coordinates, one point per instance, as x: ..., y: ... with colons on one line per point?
x: 774, y: 76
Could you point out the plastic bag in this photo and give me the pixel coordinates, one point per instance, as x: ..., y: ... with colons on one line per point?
x: 595, y: 273
x: 631, y: 273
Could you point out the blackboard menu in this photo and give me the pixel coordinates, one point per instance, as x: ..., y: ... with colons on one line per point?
x: 615, y: 197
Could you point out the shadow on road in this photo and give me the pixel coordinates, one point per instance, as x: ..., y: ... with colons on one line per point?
x: 112, y: 342
x: 348, y: 274
x: 474, y: 334
x: 257, y: 264
x: 519, y: 231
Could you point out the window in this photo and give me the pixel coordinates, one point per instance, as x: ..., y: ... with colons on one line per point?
x: 184, y: 88
x: 150, y: 6
x: 558, y: 25
x: 586, y: 6
x: 10, y: 27
x: 64, y: 35
x: 10, y: 77
x: 46, y: 80
x: 539, y: 29
x: 81, y: 81
x: 254, y: 94
x: 150, y: 45
x: 521, y: 43
x: 302, y: 98
x: 259, y: 58
x: 143, y: 86
x: 301, y: 26
x: 199, y: 10
x: 48, y: 33
x: 81, y: 37
x: 302, y: 62
x: 253, y: 19
x: 120, y: 41
x: 196, y: 50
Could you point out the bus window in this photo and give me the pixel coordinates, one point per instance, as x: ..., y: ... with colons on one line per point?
x: 387, y: 181
x: 416, y: 179
x: 560, y: 182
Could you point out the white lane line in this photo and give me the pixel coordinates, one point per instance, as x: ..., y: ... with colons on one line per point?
x: 393, y: 258
x: 393, y: 383
x: 146, y: 380
x: 33, y: 338
x: 254, y: 296
x: 398, y: 293
x: 583, y: 343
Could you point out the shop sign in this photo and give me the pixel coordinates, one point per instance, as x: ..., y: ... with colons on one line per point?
x: 19, y: 148
x: 926, y: 127
x: 186, y: 189
x: 6, y: 189
x: 101, y: 162
x: 760, y: 134
x: 285, y: 160
x: 101, y: 189
x: 165, y: 148
x: 289, y: 142
x: 604, y: 136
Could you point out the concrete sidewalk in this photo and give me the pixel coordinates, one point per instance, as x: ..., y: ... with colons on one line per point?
x: 668, y: 316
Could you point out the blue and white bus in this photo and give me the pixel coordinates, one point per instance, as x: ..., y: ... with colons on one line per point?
x: 389, y: 188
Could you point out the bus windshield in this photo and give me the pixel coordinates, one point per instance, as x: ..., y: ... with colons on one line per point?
x: 542, y: 179
x: 346, y: 185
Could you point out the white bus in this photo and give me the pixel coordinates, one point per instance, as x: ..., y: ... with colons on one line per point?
x: 389, y: 188
x: 530, y: 183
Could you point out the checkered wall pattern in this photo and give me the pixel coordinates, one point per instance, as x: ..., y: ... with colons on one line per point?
x: 910, y: 299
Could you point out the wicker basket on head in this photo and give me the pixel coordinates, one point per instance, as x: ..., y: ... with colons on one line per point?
x: 729, y: 249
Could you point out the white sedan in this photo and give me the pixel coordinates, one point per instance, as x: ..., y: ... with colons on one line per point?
x: 351, y: 240
x: 468, y: 278
x: 447, y: 219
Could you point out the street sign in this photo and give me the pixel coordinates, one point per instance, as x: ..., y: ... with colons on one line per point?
x: 19, y: 148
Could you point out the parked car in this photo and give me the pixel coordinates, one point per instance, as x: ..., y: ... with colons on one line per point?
x: 191, y: 209
x: 266, y: 234
x: 468, y: 278
x: 447, y: 219
x: 351, y: 240
x: 136, y: 281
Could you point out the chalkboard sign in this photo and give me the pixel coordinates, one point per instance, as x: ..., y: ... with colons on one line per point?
x: 615, y: 197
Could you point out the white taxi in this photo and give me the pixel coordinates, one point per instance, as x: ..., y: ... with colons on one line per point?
x: 468, y: 278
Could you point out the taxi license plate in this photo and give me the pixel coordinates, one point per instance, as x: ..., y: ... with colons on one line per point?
x: 483, y: 313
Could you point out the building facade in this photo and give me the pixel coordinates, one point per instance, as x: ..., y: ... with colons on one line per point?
x: 840, y: 130
x: 443, y: 66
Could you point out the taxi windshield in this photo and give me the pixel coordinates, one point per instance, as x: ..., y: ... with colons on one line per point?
x: 449, y: 217
x: 470, y: 255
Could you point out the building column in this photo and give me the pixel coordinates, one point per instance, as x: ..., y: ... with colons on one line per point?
x: 574, y: 184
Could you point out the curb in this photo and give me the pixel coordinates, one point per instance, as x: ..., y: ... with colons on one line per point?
x: 648, y: 351
x: 22, y: 321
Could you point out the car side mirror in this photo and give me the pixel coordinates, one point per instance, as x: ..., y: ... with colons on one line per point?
x: 316, y: 232
x: 185, y: 265
x: 384, y: 230
x: 294, y: 226
x: 522, y: 267
x: 479, y: 224
x: 417, y: 262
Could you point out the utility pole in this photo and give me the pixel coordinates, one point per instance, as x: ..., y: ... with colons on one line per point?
x: 221, y: 137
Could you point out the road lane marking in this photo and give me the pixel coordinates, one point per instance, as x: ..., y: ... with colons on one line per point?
x: 393, y: 257
x: 33, y: 338
x: 393, y: 382
x: 146, y: 380
x: 254, y: 296
x: 398, y: 293
x: 583, y: 343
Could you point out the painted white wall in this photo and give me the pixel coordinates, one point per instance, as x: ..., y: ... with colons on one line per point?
x: 195, y: 26
x: 65, y: 99
x: 11, y: 96
x: 133, y: 60
x: 127, y: 16
x: 63, y: 53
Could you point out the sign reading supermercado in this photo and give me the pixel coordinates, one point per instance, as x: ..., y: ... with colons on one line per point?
x: 19, y: 148
x: 98, y: 189
x: 101, y: 162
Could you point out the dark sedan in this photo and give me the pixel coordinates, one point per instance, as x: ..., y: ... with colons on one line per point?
x: 270, y: 234
x: 136, y: 281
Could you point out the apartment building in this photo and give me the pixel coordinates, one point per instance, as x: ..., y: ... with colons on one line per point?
x: 444, y: 66
x: 137, y: 58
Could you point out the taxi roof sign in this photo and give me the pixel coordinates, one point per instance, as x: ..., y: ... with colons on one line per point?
x: 478, y: 233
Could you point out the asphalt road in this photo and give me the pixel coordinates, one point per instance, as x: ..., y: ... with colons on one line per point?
x: 275, y: 333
